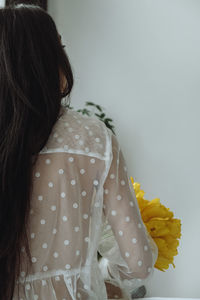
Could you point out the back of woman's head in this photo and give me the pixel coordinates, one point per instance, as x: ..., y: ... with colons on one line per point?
x: 31, y: 62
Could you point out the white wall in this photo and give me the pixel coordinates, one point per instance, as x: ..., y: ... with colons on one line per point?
x: 2, y: 3
x: 140, y: 59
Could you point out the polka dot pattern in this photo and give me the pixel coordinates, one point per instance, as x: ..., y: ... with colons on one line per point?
x: 67, y: 266
x: 53, y: 207
x: 50, y: 184
x: 75, y: 205
x: 76, y: 228
x: 139, y: 263
x: 60, y: 171
x: 84, y: 193
x: 45, y: 268
x: 57, y: 278
x: 55, y: 254
x: 32, y: 235
x: 34, y: 259
x: 121, y: 212
x: 77, y: 185
x: 22, y: 273
x: 92, y: 161
x: 127, y: 254
x: 113, y: 212
x: 54, y: 231
x: 149, y: 270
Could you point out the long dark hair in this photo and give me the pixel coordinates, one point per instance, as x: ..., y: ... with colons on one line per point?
x: 31, y: 58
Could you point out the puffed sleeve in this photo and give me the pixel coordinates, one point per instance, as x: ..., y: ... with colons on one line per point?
x: 129, y: 253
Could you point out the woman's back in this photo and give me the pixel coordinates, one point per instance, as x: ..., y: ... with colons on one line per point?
x: 64, y: 188
x: 80, y: 192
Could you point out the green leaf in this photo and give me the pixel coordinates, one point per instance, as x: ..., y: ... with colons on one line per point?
x: 106, y: 121
x: 90, y: 103
x: 109, y: 120
x: 86, y: 112
x: 99, y: 107
x: 102, y: 115
x: 99, y: 116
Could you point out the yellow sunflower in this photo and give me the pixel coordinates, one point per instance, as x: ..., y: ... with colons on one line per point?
x: 161, y: 225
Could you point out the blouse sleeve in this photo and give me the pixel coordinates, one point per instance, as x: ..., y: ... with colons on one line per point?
x: 129, y: 253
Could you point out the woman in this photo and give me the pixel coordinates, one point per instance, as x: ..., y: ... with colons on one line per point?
x: 64, y: 189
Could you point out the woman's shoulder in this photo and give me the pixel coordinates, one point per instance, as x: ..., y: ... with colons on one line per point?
x: 84, y: 121
x: 80, y: 133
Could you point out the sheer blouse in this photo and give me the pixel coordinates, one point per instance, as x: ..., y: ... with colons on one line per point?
x: 83, y: 202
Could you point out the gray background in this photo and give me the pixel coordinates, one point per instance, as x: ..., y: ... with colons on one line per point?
x: 140, y: 59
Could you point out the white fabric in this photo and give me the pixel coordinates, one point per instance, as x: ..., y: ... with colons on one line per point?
x: 82, y: 202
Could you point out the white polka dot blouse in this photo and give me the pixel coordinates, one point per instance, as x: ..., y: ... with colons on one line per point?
x: 82, y: 202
